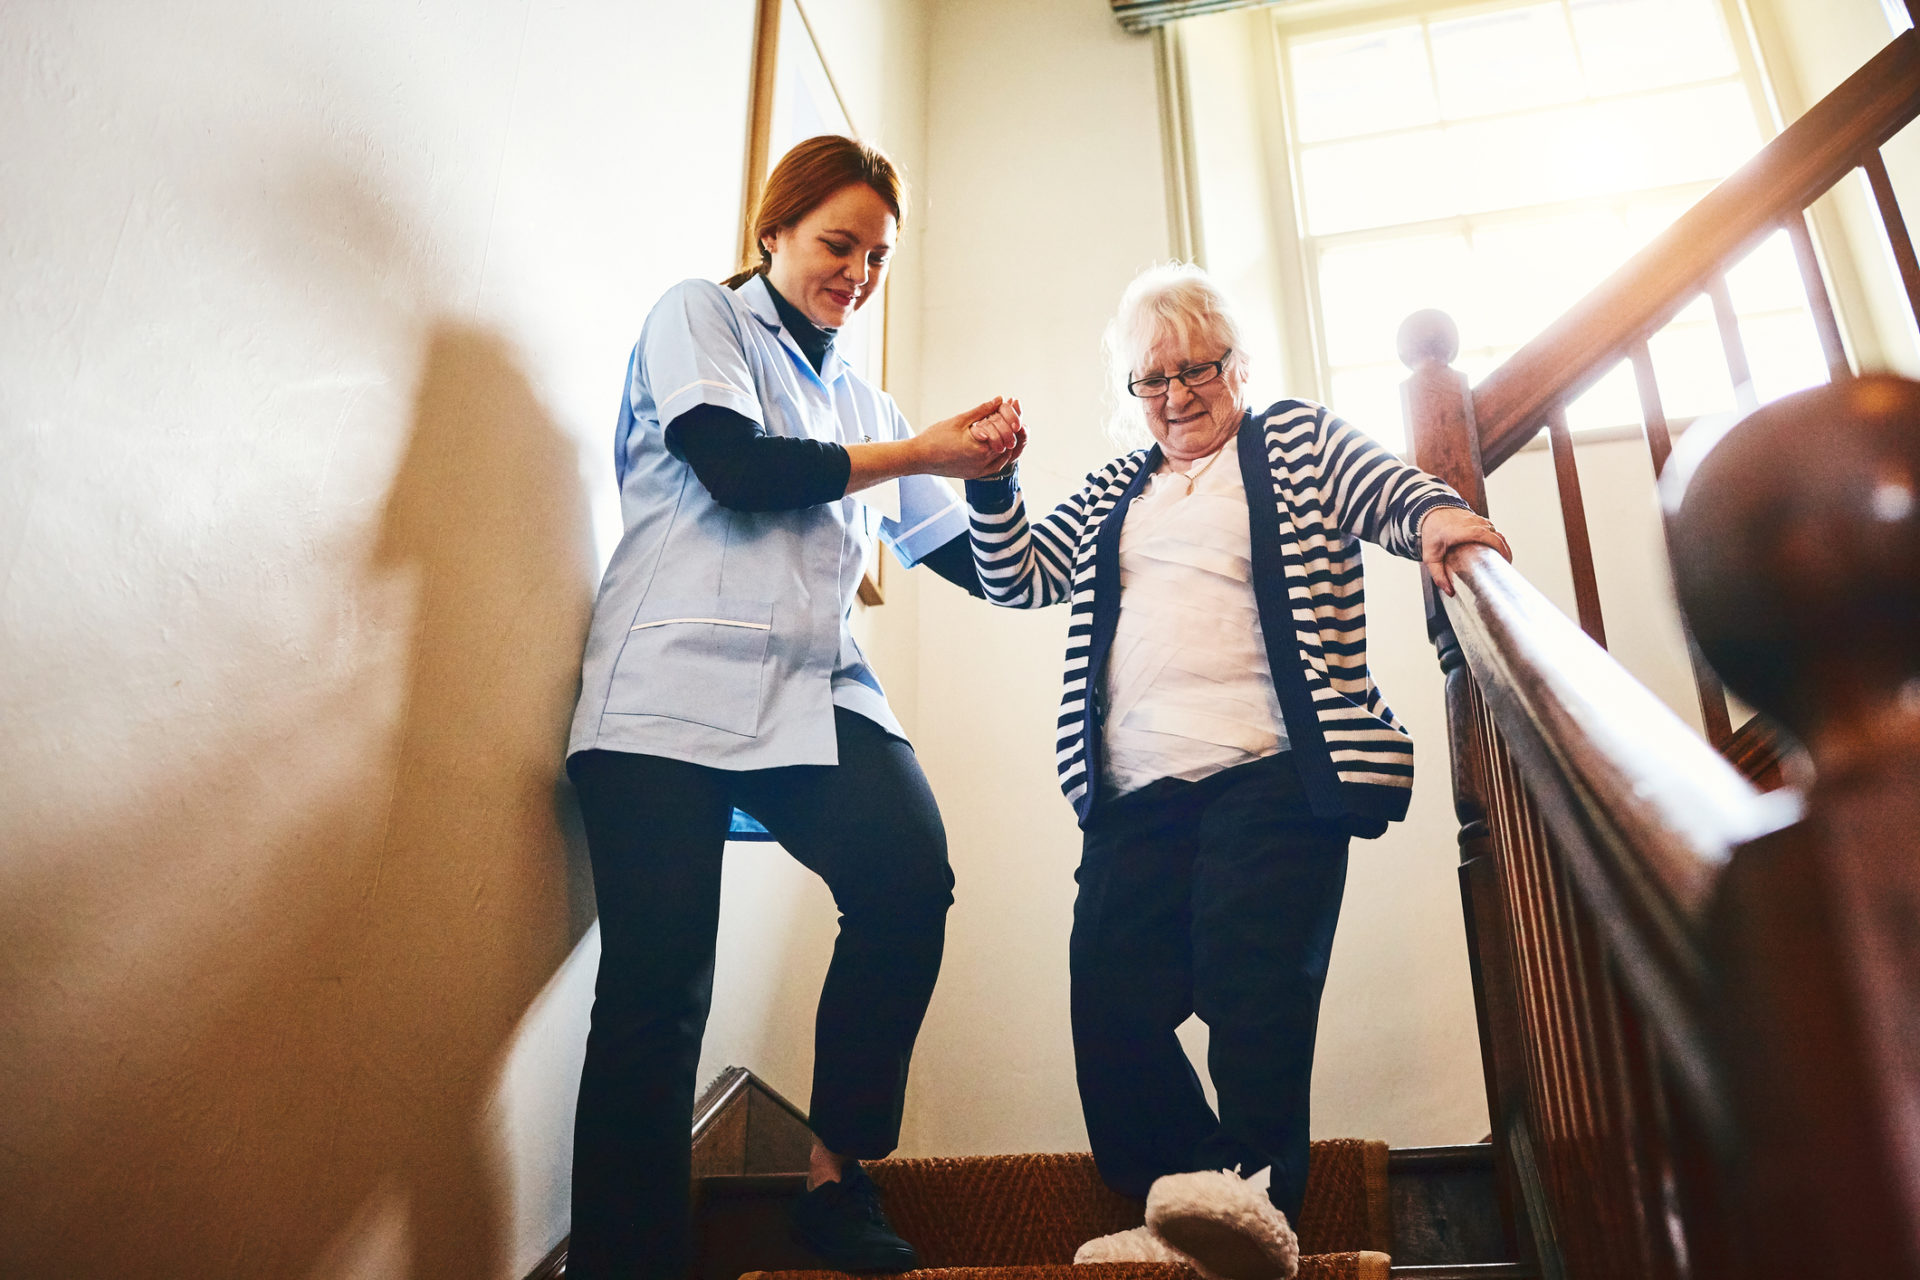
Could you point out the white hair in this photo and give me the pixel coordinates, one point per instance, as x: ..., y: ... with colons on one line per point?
x: 1174, y: 299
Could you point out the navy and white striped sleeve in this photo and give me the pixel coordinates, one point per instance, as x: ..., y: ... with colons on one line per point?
x: 1373, y: 494
x: 1025, y: 566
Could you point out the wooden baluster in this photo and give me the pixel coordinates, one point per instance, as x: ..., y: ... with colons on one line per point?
x: 1573, y: 514
x: 1439, y: 411
x: 1489, y: 955
x: 1730, y: 343
x: 1818, y: 299
x: 1517, y: 840
x: 1557, y: 967
x: 1526, y: 864
x: 1713, y: 699
x: 1653, y: 414
x: 1896, y: 229
x: 1637, y: 1060
x: 1618, y: 1120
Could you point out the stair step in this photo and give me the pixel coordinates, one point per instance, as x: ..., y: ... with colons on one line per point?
x: 1444, y: 1220
x: 1319, y: 1266
x: 1022, y: 1211
x: 1445, y: 1210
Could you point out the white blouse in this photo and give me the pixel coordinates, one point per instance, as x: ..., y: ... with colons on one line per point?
x: 1188, y: 688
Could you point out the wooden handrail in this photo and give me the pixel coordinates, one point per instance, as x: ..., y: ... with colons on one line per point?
x: 1808, y: 157
x: 1645, y: 812
x: 1694, y: 998
x: 1674, y: 806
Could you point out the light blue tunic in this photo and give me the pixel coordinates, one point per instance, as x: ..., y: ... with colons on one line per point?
x: 721, y: 637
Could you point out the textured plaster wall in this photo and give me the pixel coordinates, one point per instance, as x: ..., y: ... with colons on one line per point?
x: 313, y: 320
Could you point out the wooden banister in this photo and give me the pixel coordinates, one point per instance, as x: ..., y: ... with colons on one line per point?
x: 1665, y: 804
x: 1696, y: 999
x: 1808, y: 157
x: 1644, y: 813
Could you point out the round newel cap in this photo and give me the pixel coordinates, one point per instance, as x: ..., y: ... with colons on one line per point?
x: 1795, y: 540
x: 1428, y: 337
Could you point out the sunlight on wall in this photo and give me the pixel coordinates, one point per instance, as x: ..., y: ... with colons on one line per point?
x: 314, y: 322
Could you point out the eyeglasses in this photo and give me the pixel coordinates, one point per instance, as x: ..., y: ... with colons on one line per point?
x: 1199, y: 375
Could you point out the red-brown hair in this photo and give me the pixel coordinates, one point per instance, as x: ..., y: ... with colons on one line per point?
x: 803, y: 180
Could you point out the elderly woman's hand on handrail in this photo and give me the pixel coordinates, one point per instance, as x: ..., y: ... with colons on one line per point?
x: 1445, y: 528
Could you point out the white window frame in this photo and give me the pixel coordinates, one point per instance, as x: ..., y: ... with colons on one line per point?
x: 1299, y: 285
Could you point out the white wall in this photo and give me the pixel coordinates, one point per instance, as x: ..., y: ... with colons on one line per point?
x: 314, y: 317
x: 1809, y: 47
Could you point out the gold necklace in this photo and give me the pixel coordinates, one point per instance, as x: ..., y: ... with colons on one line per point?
x: 1190, y: 478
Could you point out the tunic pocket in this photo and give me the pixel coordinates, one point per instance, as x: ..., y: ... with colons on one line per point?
x: 701, y: 660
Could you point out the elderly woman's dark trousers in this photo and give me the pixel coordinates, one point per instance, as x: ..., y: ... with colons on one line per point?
x: 655, y: 829
x: 1217, y: 897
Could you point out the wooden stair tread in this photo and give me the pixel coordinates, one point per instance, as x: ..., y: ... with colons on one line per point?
x: 1009, y: 1217
x: 1359, y: 1265
x: 1036, y: 1209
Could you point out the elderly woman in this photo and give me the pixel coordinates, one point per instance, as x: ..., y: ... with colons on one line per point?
x: 1221, y: 740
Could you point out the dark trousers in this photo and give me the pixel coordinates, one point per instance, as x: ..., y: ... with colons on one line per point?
x: 1216, y: 897
x: 868, y: 826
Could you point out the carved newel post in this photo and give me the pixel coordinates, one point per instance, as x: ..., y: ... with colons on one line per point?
x: 1796, y: 553
x: 1445, y: 442
x: 1439, y: 407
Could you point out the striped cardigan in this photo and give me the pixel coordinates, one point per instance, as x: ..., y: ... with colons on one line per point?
x: 1314, y: 486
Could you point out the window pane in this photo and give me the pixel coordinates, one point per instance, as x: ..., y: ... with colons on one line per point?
x: 1683, y: 135
x: 1478, y: 362
x: 1619, y: 57
x: 1768, y: 279
x: 1614, y: 401
x: 1648, y: 216
x: 1606, y: 148
x: 1505, y: 61
x: 1526, y: 272
x: 1689, y: 367
x: 1362, y: 84
x: 1379, y: 182
x: 1366, y: 290
x: 1783, y: 351
x: 1369, y: 398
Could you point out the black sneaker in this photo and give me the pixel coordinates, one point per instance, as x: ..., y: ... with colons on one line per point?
x: 843, y: 1223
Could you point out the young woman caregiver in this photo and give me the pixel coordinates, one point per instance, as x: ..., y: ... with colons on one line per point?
x: 720, y: 673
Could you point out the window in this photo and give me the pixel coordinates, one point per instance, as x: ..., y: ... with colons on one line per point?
x: 1498, y: 160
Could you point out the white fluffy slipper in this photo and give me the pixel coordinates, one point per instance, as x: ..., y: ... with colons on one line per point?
x: 1225, y: 1224
x: 1137, y: 1245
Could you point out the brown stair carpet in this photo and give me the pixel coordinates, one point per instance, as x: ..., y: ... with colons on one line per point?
x: 1024, y: 1215
x: 1345, y: 1206
x: 996, y: 1211
x: 1319, y: 1266
x: 1000, y: 1211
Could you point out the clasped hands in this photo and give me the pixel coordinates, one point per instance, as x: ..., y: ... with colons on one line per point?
x: 980, y: 442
